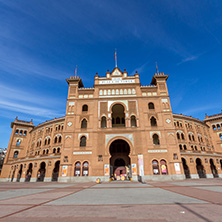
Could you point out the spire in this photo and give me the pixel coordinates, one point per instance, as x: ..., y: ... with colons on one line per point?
x: 115, y: 58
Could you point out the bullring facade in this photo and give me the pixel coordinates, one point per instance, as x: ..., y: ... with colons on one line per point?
x: 117, y: 128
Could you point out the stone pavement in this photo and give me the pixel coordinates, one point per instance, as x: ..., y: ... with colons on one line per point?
x: 188, y: 200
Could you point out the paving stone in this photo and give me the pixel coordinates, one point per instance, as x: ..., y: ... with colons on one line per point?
x: 124, y: 196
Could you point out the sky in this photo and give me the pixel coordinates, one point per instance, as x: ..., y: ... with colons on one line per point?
x: 41, y: 42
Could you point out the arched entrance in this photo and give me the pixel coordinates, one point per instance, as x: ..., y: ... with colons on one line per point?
x: 186, y: 168
x: 213, y: 168
x: 118, y: 116
x: 120, y: 161
x: 19, y: 173
x: 55, y: 172
x: 200, y: 168
x: 41, y: 172
x: 29, y: 173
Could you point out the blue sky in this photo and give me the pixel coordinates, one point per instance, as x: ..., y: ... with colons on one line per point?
x: 41, y: 42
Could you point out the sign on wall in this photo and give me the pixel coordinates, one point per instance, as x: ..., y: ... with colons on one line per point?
x: 106, y: 169
x: 177, y: 168
x: 141, y: 168
x: 64, y: 171
x: 134, y: 170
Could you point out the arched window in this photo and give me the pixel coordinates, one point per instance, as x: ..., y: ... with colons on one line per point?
x: 85, y: 108
x: 58, y: 150
x: 45, y: 141
x: 185, y: 147
x: 156, y: 170
x: 77, y: 169
x: 60, y: 139
x: 84, y: 124
x: 43, y: 152
x: 15, y: 154
x: 47, y: 151
x: 153, y: 121
x: 151, y: 106
x: 18, y: 143
x: 85, y: 169
x: 193, y: 138
x: 214, y: 127
x: 182, y: 136
x: 25, y: 133
x: 118, y: 116
x: 220, y: 135
x: 82, y: 141
x: 181, y: 148
x: 163, y: 167
x: 59, y: 127
x: 54, y: 150
x: 133, y: 121
x: 103, y: 122
x: 156, y: 139
x: 218, y: 126
x: 178, y: 136
x: 55, y: 140
x: 189, y: 137
x: 48, y: 141
x: 16, y: 132
x: 21, y: 132
x: 117, y: 120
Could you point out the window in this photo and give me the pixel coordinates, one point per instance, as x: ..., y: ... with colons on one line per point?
x: 85, y: 169
x: 84, y: 108
x: 58, y: 150
x: 189, y: 137
x: 77, y: 169
x: 133, y: 121
x: 155, y: 167
x: 84, y: 124
x: 18, y: 143
x: 55, y: 140
x: 193, y: 138
x: 220, y: 135
x: 45, y: 141
x: 182, y: 136
x: 163, y: 167
x: 21, y: 132
x: 48, y: 141
x: 151, y: 106
x: 103, y: 122
x: 16, y: 132
x: 156, y: 139
x: 60, y: 139
x: 184, y: 147
x: 181, y: 148
x: 83, y: 141
x: 178, y: 136
x: 54, y: 150
x: 47, y: 151
x: 153, y: 121
x: 15, y: 154
x: 117, y: 120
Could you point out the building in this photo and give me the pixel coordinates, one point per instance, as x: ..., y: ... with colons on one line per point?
x: 116, y: 128
x: 3, y: 152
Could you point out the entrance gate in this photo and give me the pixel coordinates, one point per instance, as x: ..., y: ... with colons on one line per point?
x: 120, y: 161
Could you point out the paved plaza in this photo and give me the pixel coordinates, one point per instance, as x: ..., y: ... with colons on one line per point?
x: 188, y: 200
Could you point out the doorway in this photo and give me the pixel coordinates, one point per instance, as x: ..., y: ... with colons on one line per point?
x: 120, y: 161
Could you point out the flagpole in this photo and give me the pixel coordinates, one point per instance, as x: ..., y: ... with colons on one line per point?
x: 115, y: 57
x: 76, y: 71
